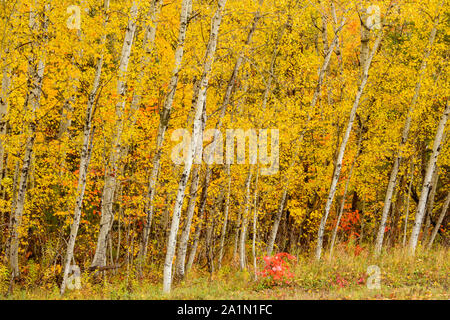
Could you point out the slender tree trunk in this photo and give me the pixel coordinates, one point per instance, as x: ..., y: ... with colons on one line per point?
x: 197, y: 133
x: 276, y: 223
x: 411, y: 179
x: 4, y: 93
x: 345, y: 139
x: 111, y: 173
x: 255, y: 221
x: 341, y: 208
x: 226, y: 101
x: 398, y: 205
x: 184, y: 239
x: 35, y: 76
x: 201, y: 213
x: 242, y: 255
x: 405, y: 133
x: 430, y: 206
x: 236, y: 235
x: 439, y: 221
x: 86, y: 152
x: 427, y: 180
x: 148, y: 46
x: 225, y: 219
x: 210, y: 235
x: 163, y: 124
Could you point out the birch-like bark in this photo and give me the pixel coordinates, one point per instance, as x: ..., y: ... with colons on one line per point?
x: 186, y: 5
x: 184, y: 239
x: 201, y: 213
x: 236, y: 236
x: 148, y: 45
x: 345, y: 139
x: 35, y: 76
x: 341, y: 208
x: 225, y: 218
x: 427, y: 180
x: 411, y: 179
x: 430, y: 205
x: 242, y: 255
x: 197, y: 132
x: 4, y: 93
x: 405, y: 133
x: 85, y: 156
x: 439, y: 221
x: 107, y: 215
x: 276, y: 223
x: 210, y: 235
x: 255, y: 221
x: 223, y: 108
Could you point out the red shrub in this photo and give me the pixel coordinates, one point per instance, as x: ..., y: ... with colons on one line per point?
x: 277, y: 268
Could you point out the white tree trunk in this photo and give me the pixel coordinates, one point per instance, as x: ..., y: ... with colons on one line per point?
x: 255, y: 222
x: 148, y: 45
x: 225, y: 218
x: 276, y: 223
x: 201, y: 213
x: 243, y: 235
x: 341, y: 208
x: 4, y: 93
x: 439, y: 221
x: 35, y: 75
x: 427, y: 180
x: 430, y: 206
x: 184, y: 239
x: 85, y: 157
x: 411, y: 179
x: 225, y: 103
x: 345, y: 139
x: 163, y: 124
x: 405, y: 133
x: 197, y: 131
x: 107, y: 215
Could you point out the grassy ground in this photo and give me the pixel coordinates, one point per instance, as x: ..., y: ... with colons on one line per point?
x: 425, y: 276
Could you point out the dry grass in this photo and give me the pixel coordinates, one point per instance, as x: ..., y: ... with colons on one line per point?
x: 425, y: 276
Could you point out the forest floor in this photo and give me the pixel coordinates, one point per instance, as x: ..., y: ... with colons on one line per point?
x: 425, y: 276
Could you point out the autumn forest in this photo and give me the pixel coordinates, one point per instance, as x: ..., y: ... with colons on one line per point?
x: 224, y: 149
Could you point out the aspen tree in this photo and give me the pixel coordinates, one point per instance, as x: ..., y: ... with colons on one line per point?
x: 107, y: 214
x: 226, y: 101
x: 405, y: 223
x: 341, y: 207
x: 420, y: 211
x: 36, y: 67
x: 345, y: 139
x: 86, y: 152
x: 186, y: 7
x: 242, y: 254
x: 439, y: 221
x: 197, y: 132
x: 404, y: 139
x: 225, y: 218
